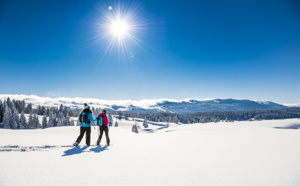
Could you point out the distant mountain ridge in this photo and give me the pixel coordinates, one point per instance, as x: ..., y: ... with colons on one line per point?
x: 185, y: 106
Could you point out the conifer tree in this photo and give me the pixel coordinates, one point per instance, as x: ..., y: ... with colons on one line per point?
x: 67, y: 120
x: 2, y: 110
x: 29, y: 109
x: 39, y: 110
x: 36, y: 122
x: 59, y: 122
x: 61, y: 108
x: 145, y: 124
x: 23, y: 106
x: 72, y: 123
x: 135, y: 128
x: 44, y: 122
x: 55, y: 120
x: 30, y: 121
x: 50, y: 121
x: 9, y: 103
x: 15, y: 119
x: 7, y: 119
x: 126, y: 115
x: 23, y: 123
x: 120, y: 114
x: 65, y: 111
x: 116, y: 124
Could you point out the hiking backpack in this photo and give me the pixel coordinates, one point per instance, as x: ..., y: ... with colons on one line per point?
x: 84, y: 118
x: 99, y: 120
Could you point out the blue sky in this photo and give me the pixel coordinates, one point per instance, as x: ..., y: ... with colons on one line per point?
x: 186, y: 49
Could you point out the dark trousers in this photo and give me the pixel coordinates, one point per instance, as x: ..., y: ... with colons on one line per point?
x: 88, y: 135
x: 103, y: 128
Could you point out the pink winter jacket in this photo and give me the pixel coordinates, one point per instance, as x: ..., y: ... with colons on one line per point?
x: 104, y: 119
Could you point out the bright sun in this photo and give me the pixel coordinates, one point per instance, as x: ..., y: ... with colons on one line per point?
x: 119, y: 28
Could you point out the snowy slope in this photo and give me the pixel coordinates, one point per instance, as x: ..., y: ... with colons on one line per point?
x: 239, y: 153
x: 185, y: 106
x: 292, y: 105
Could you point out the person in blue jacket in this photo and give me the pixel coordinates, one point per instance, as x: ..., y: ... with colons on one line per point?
x: 85, y: 117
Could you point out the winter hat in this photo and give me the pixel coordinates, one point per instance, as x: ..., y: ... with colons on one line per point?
x: 85, y: 105
x: 104, y: 110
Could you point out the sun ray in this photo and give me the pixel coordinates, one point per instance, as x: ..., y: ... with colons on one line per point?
x: 119, y: 28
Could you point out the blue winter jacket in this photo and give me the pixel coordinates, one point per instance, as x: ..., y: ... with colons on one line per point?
x: 91, y: 118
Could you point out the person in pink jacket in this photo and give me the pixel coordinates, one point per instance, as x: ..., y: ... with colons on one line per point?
x: 104, y: 127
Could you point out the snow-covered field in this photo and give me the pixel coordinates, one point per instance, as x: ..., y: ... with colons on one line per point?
x: 239, y: 153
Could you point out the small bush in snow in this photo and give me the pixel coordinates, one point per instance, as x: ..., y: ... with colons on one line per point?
x: 135, y: 128
x: 145, y: 124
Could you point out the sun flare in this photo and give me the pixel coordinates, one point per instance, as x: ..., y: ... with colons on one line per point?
x: 119, y: 28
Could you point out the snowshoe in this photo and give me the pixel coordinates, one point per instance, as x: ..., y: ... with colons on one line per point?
x: 75, y: 144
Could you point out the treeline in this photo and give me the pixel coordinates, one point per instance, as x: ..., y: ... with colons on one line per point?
x: 12, y: 115
x: 228, y: 116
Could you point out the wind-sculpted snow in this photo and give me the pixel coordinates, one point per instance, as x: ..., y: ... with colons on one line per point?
x: 184, y: 106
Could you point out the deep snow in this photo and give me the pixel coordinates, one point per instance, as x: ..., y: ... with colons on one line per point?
x: 238, y: 153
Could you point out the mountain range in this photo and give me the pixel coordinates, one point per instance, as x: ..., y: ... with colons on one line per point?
x: 185, y: 106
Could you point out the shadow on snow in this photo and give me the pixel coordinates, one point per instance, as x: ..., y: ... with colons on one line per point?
x: 99, y: 149
x: 79, y: 150
x: 151, y: 123
x: 295, y: 126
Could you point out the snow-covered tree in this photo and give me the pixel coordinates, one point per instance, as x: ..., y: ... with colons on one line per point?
x: 44, y: 122
x: 59, y: 122
x: 2, y: 110
x: 126, y: 115
x: 29, y: 108
x: 135, y: 128
x: 7, y: 118
x: 55, y: 120
x: 39, y: 110
x: 67, y: 120
x: 65, y: 111
x: 47, y: 112
x: 175, y: 119
x: 23, y: 122
x: 9, y: 103
x: 36, y: 122
x: 72, y: 123
x: 120, y: 114
x: 61, y: 108
x: 15, y: 119
x: 30, y: 121
x: 145, y: 124
x: 61, y: 116
x: 50, y: 120
x: 116, y: 124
